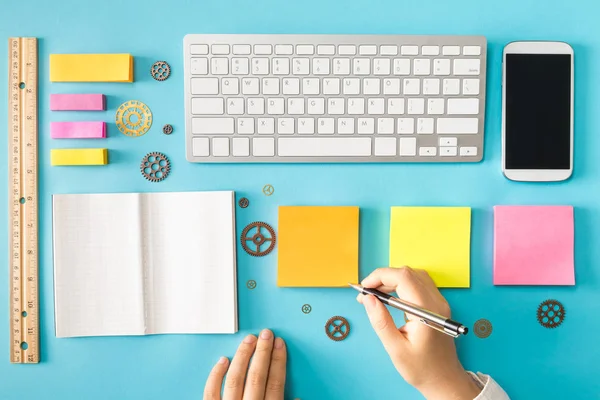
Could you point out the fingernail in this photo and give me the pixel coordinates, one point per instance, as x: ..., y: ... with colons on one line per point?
x: 369, y: 302
x: 223, y: 360
x: 249, y: 339
x: 266, y: 334
x: 279, y: 343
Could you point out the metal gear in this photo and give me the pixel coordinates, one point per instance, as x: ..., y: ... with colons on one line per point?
x: 133, y: 118
x: 551, y: 313
x: 258, y: 239
x: 482, y: 328
x: 251, y: 284
x: 168, y: 129
x: 155, y: 167
x: 306, y: 309
x: 160, y: 70
x: 268, y: 190
x: 244, y: 202
x: 337, y: 328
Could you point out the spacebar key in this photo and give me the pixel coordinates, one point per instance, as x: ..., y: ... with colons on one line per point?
x: 324, y: 147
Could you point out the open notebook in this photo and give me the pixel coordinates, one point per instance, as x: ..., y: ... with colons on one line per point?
x: 144, y: 263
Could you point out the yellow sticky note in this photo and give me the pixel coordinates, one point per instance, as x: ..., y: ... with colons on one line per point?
x: 436, y: 239
x: 91, y: 68
x: 78, y: 156
x: 317, y: 246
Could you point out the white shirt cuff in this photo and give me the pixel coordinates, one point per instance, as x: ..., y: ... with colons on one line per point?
x: 490, y: 390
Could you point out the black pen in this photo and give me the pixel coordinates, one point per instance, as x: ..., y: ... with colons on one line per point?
x: 431, y: 319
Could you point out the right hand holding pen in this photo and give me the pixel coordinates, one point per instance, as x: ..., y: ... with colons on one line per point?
x: 425, y: 358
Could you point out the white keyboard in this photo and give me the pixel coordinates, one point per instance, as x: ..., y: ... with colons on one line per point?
x: 334, y: 98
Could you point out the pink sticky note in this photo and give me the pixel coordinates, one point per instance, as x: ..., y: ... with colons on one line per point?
x: 534, y: 245
x: 78, y: 130
x: 77, y: 102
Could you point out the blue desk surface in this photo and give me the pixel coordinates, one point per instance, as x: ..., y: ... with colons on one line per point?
x: 529, y: 361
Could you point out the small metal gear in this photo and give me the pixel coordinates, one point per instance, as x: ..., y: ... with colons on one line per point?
x: 160, y: 70
x: 168, y: 129
x: 551, y: 313
x: 251, y: 284
x: 244, y: 202
x: 155, y: 167
x: 268, y: 190
x: 258, y: 239
x: 482, y: 328
x: 337, y: 328
x: 306, y: 309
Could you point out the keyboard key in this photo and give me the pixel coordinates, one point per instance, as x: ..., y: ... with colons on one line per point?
x: 270, y: 86
x: 391, y: 86
x: 395, y: 106
x: 207, y: 106
x: 331, y: 86
x: 427, y: 151
x: 381, y: 66
x: 416, y: 106
x: 463, y: 106
x: 245, y: 126
x: 310, y: 86
x: 467, y: 126
x: 468, y: 151
x: 199, y: 49
x: 235, y: 106
x: 346, y: 50
x: 366, y: 126
x: 203, y: 86
x: 356, y: 106
x: 212, y: 126
x: 300, y: 66
x: 291, y: 86
x: 325, y: 126
x: 263, y: 147
x: 367, y: 50
x: 385, y: 126
x: 422, y: 66
x: 361, y: 66
x: 239, y: 66
x: 441, y: 66
x: 341, y: 66
x: 219, y: 66
x: 284, y: 49
x: 385, y: 146
x: 430, y: 50
x: 401, y: 66
x: 346, y: 126
x: 296, y: 106
x: 241, y: 147
x: 388, y: 50
x: 448, y: 151
x: 220, y: 147
x: 335, y: 106
x: 316, y: 106
x: 351, y: 86
x: 435, y: 106
x: 306, y: 126
x: 200, y: 147
x: 406, y: 126
x: 411, y: 86
x: 275, y: 106
x: 323, y: 147
x: 320, y: 66
x: 260, y: 66
x: 326, y: 49
x: 256, y: 106
x: 471, y: 51
x: 371, y: 86
x: 451, y: 86
x: 467, y: 66
x: 448, y: 142
x: 431, y: 86
x: 266, y: 126
x: 219, y: 49
x: 425, y: 125
x: 281, y: 66
x: 408, y: 146
x: 375, y: 106
x: 250, y: 86
x: 199, y: 66
x: 451, y: 50
x: 241, y: 49
x: 263, y: 49
x: 409, y: 50
x: 471, y: 87
x: 285, y: 126
x: 230, y: 86
x: 305, y: 49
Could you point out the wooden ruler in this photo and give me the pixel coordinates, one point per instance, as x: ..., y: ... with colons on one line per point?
x: 23, y: 200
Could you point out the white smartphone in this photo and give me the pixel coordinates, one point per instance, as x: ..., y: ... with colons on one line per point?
x: 537, y: 111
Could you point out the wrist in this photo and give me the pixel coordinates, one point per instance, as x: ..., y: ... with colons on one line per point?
x: 456, y: 385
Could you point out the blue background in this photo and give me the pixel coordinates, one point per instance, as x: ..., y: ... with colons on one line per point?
x: 529, y: 361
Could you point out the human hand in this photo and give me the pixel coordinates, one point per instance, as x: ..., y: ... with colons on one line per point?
x: 425, y: 358
x: 261, y: 379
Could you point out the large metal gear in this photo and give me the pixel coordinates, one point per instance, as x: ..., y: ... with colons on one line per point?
x: 155, y: 167
x: 133, y: 118
x: 551, y: 313
x: 160, y: 70
x: 337, y: 328
x: 258, y: 239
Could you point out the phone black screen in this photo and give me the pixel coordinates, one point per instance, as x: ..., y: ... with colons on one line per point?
x: 538, y: 111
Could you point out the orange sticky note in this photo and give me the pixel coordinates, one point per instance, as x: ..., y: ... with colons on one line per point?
x: 318, y: 246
